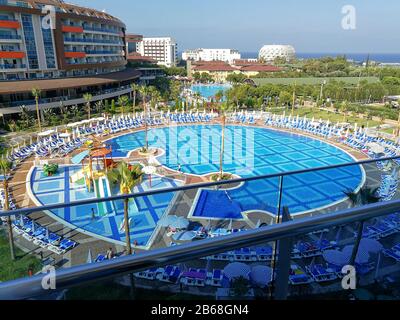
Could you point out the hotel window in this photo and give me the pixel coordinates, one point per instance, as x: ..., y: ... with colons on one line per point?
x: 48, y: 48
x: 30, y: 43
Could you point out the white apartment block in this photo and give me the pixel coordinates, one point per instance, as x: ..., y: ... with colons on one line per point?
x: 226, y: 55
x: 163, y: 50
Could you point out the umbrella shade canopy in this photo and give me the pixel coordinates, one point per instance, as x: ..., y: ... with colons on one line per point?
x: 89, y: 258
x: 370, y: 245
x: 375, y: 147
x: 180, y: 223
x: 166, y: 221
x: 335, y: 257
x: 46, y: 133
x: 237, y: 270
x: 149, y: 170
x: 102, y: 152
x: 362, y: 254
x: 261, y: 275
x: 184, y: 236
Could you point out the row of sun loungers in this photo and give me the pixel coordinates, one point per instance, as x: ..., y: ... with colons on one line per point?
x: 303, y: 249
x: 393, y: 252
x: 11, y: 204
x: 42, y: 236
x: 388, y: 187
x: 188, y: 118
x: 382, y: 228
x: 191, y: 277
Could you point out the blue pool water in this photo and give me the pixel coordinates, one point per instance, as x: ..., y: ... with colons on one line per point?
x: 251, y: 151
x: 145, y: 212
x: 209, y: 91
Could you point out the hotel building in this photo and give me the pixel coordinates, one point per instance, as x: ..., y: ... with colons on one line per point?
x: 225, y: 55
x: 164, y: 50
x: 84, y: 50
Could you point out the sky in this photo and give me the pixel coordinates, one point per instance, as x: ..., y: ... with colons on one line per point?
x: 309, y: 25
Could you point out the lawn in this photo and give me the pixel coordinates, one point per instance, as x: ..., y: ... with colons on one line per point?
x: 313, y: 80
x: 10, y: 270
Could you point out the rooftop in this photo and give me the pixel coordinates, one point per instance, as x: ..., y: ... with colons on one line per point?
x: 53, y: 84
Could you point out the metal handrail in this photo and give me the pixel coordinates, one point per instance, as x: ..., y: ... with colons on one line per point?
x: 65, y: 278
x: 26, y: 211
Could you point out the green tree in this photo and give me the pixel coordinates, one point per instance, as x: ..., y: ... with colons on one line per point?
x: 26, y: 118
x: 5, y: 169
x: 88, y: 99
x: 113, y: 109
x: 36, y: 93
x: 135, y: 89
x: 127, y: 177
x: 123, y: 103
x: 144, y: 91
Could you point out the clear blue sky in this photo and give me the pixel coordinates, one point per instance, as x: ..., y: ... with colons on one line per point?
x: 309, y: 25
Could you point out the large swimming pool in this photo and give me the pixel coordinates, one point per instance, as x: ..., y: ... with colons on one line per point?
x: 252, y: 151
x: 209, y: 91
x: 144, y: 212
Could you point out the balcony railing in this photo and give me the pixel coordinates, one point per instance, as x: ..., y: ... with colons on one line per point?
x: 67, y: 39
x: 9, y: 37
x: 322, y: 229
x: 86, y: 28
x: 12, y: 66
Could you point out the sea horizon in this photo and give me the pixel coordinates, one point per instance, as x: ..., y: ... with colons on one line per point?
x: 360, y: 57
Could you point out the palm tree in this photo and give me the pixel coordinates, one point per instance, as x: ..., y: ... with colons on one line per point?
x: 123, y: 102
x: 36, y: 93
x: 398, y: 122
x: 135, y: 89
x: 127, y: 177
x: 98, y: 106
x: 5, y: 168
x: 25, y: 116
x: 224, y: 107
x: 343, y: 108
x: 366, y: 195
x: 144, y: 90
x: 88, y: 98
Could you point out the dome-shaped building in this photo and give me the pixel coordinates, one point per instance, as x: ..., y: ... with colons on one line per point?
x: 271, y: 52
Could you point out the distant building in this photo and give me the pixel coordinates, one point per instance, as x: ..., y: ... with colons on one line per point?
x: 163, y: 50
x: 269, y: 53
x: 225, y: 55
x: 220, y: 70
x: 132, y: 41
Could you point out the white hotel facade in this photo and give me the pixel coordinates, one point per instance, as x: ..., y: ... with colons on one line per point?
x: 162, y: 49
x: 226, y: 55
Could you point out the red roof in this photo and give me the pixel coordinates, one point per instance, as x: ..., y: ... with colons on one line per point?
x: 260, y: 68
x: 213, y: 67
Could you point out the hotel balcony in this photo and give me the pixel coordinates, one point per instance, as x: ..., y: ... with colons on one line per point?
x: 93, y: 41
x: 10, y: 38
x: 9, y: 24
x: 12, y: 55
x: 12, y: 67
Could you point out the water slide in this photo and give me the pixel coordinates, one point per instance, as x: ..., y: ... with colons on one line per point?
x: 102, y: 190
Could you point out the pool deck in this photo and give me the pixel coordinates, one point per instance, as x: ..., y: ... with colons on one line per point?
x: 181, y: 207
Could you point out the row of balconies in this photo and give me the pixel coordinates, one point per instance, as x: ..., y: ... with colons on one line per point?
x: 76, y: 28
x: 88, y: 40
